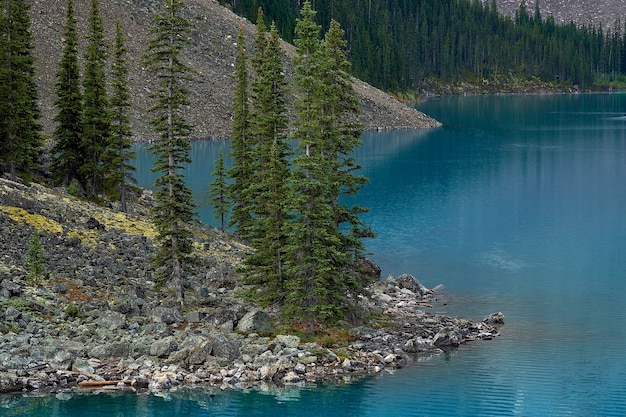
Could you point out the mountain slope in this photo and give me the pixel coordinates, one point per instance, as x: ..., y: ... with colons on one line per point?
x: 212, y: 55
x: 581, y: 12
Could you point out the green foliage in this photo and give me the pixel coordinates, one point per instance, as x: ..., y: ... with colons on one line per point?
x: 241, y: 145
x: 72, y: 311
x: 397, y: 45
x: 218, y: 191
x: 73, y: 188
x: 269, y: 168
x: 319, y: 256
x: 120, y: 155
x: 35, y: 259
x: 306, y: 244
x: 19, y: 304
x: 67, y: 152
x: 96, y: 116
x: 173, y: 208
x: 20, y: 133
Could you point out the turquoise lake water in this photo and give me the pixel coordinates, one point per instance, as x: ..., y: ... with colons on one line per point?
x: 516, y: 205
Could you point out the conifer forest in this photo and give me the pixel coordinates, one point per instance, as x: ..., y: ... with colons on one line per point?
x: 398, y: 45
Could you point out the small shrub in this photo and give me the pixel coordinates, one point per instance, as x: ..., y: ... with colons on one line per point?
x: 74, y: 188
x: 72, y: 311
x: 18, y: 304
x: 35, y: 259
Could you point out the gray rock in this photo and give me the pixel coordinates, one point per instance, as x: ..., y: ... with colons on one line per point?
x: 199, y: 353
x: 111, y: 320
x: 163, y: 347
x: 221, y: 316
x: 255, y: 321
x: 446, y: 337
x: 167, y: 315
x: 12, y: 289
x: 494, y: 318
x: 409, y: 282
x: 9, y: 382
x: 12, y: 313
x: 418, y: 344
x: 226, y: 348
x: 63, y: 359
x: 194, y: 316
x: 287, y: 341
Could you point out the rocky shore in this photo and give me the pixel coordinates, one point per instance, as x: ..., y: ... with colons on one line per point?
x: 95, y: 321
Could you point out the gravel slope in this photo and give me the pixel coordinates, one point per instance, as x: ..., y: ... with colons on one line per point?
x: 212, y: 54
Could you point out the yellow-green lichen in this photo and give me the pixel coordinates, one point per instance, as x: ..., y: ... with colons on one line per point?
x: 36, y: 220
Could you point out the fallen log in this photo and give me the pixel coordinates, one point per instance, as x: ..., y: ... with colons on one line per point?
x: 97, y: 384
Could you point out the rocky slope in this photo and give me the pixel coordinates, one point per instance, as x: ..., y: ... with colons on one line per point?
x: 95, y: 319
x: 212, y: 54
x: 582, y: 12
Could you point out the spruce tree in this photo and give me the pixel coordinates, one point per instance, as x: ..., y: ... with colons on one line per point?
x: 241, y: 152
x: 120, y: 154
x: 35, y: 258
x: 96, y: 117
x: 270, y: 169
x: 320, y: 257
x: 344, y: 136
x: 218, y: 191
x: 20, y: 133
x: 173, y: 208
x: 67, y: 151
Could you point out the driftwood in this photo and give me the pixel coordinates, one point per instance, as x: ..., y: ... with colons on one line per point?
x: 97, y: 384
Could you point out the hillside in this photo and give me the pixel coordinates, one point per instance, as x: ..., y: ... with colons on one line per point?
x: 581, y: 12
x: 212, y: 55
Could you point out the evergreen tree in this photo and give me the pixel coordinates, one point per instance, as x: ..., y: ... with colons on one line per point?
x: 120, y: 154
x: 270, y: 169
x: 173, y: 208
x: 320, y: 258
x: 35, y: 258
x: 218, y: 191
x: 343, y: 138
x: 67, y: 152
x: 314, y: 245
x: 96, y: 116
x: 20, y: 133
x: 241, y: 152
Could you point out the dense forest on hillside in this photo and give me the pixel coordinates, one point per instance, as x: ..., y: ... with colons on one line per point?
x: 397, y: 44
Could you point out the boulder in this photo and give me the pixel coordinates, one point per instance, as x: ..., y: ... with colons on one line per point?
x: 446, y: 337
x: 198, y: 354
x: 409, y: 282
x: 9, y: 382
x: 494, y: 319
x: 167, y: 315
x: 418, y: 344
x: 226, y: 348
x: 111, y: 320
x: 255, y: 321
x: 287, y: 341
x: 162, y: 348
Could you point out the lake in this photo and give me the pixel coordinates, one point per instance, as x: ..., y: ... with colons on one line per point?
x: 516, y: 205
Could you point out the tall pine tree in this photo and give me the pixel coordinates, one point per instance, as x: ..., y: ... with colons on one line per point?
x: 173, y: 208
x: 270, y: 168
x: 120, y: 154
x: 20, y: 133
x: 218, y: 191
x: 96, y: 116
x: 321, y: 280
x: 241, y: 149
x: 67, y: 152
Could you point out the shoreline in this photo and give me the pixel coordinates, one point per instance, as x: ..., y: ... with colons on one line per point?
x: 281, y: 360
x: 95, y: 316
